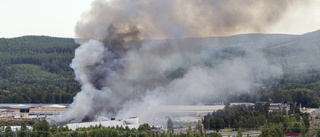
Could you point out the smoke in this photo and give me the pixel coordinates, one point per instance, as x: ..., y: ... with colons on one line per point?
x: 125, y: 72
x: 178, y: 18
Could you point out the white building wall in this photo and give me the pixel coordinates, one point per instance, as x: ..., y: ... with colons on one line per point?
x: 131, y: 123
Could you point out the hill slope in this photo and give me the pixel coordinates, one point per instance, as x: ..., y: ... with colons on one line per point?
x: 35, y: 69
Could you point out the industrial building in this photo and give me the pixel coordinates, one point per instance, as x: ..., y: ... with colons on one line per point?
x: 130, y: 122
x: 181, y: 113
x: 197, y: 110
x: 11, y: 112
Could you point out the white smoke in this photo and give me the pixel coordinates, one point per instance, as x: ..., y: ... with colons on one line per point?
x: 88, y: 54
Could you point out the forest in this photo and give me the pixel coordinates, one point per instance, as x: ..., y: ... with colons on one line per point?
x: 255, y: 117
x: 35, y: 69
x: 301, y: 88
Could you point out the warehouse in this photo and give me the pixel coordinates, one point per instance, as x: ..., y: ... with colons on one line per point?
x: 130, y: 122
x: 11, y: 112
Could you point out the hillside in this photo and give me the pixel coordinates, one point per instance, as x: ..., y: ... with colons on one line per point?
x: 35, y: 69
x: 296, y: 57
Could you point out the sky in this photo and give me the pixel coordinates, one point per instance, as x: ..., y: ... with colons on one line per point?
x: 40, y: 17
x: 58, y: 18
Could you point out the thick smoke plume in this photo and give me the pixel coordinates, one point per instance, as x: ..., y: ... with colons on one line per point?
x: 127, y: 70
x: 179, y: 18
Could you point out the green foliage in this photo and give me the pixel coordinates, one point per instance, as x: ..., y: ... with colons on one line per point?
x: 41, y: 128
x: 239, y: 134
x: 189, y: 130
x: 292, y: 87
x: 35, y: 69
x: 305, y: 119
x: 199, y: 128
x: 296, y: 127
x: 8, y: 131
x: 301, y: 88
x: 144, y: 130
x: 272, y: 130
x: 318, y: 133
x: 17, y: 123
x: 241, y: 117
x: 235, y: 117
x: 215, y: 135
x: 23, y: 131
x: 144, y: 127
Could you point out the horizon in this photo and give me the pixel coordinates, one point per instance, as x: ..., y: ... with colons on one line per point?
x: 59, y: 18
x: 173, y: 38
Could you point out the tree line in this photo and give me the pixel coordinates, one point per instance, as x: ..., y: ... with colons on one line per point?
x: 257, y: 118
x: 302, y: 88
x: 41, y: 64
x: 43, y: 129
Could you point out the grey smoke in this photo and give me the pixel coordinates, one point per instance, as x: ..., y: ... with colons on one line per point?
x: 125, y: 72
x: 179, y: 18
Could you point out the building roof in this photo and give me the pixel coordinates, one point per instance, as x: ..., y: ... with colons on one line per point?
x: 189, y: 108
x: 242, y: 103
x: 273, y: 108
x: 130, y: 122
x: 3, y: 110
x: 20, y: 106
x: 55, y: 106
x: 28, y: 106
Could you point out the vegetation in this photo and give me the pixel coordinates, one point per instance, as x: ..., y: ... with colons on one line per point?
x: 35, y: 69
x: 42, y: 129
x: 302, y: 88
x: 318, y: 133
x: 272, y: 130
x: 170, y: 126
x: 17, y: 123
x: 271, y: 124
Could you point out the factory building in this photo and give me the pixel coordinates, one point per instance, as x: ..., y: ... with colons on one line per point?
x: 196, y: 110
x: 11, y: 112
x: 130, y: 122
x: 180, y: 113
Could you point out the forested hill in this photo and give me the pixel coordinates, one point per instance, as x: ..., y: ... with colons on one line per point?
x: 299, y: 58
x: 35, y: 69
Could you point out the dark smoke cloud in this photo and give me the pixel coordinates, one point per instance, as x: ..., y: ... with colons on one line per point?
x: 124, y: 73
